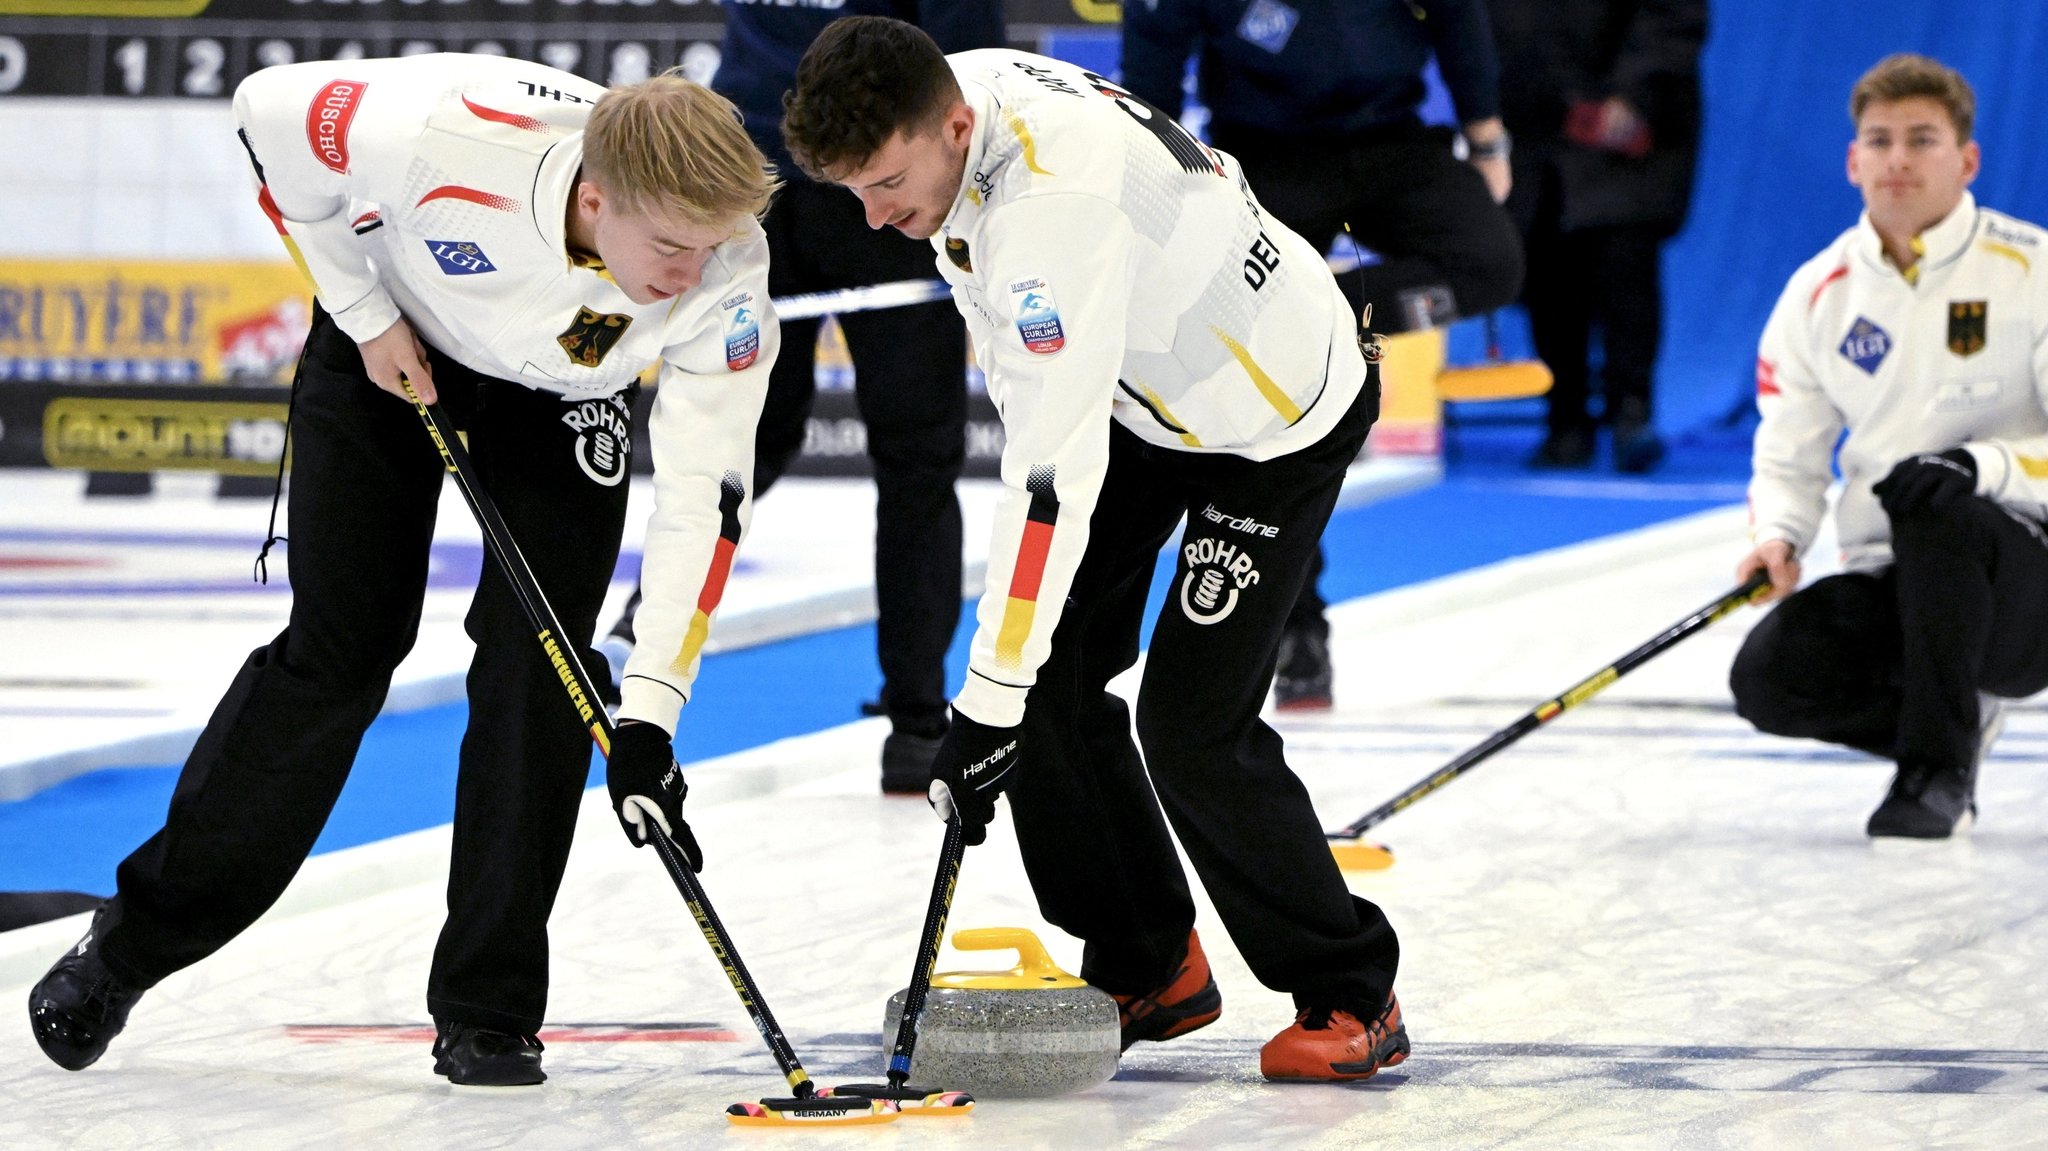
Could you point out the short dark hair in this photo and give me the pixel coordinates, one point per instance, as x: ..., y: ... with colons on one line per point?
x: 1905, y: 75
x: 863, y: 79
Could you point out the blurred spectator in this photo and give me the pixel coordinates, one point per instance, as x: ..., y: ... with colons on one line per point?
x: 1603, y: 99
x: 1318, y: 100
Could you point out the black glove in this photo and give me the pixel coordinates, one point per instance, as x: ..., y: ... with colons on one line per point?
x: 975, y: 762
x: 1928, y: 482
x: 646, y: 783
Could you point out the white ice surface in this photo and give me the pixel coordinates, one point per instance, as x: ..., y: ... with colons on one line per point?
x: 1644, y: 926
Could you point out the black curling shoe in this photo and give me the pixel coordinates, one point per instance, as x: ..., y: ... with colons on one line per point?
x: 79, y: 1006
x: 1924, y: 803
x: 479, y: 1057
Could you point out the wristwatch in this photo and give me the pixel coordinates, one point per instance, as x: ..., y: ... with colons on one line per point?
x: 1494, y: 149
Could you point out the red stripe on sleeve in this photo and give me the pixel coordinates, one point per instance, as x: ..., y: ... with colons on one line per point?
x: 1031, y: 560
x: 269, y: 207
x: 714, y: 580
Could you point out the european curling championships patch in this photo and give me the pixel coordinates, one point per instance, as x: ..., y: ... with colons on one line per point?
x: 742, y: 331
x: 1038, y: 316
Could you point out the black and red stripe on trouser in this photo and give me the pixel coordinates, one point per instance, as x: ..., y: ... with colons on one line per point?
x: 259, y: 784
x: 1094, y: 840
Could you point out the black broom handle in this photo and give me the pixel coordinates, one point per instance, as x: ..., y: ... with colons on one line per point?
x: 568, y: 664
x: 1551, y: 708
x: 943, y: 885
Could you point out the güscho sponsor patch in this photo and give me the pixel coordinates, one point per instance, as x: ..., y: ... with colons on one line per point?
x: 1038, y: 316
x: 604, y: 438
x: 328, y: 118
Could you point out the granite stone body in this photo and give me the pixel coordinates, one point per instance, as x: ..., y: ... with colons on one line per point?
x: 1011, y: 1044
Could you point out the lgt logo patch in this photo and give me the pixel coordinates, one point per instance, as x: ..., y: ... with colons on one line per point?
x: 1866, y: 345
x: 460, y: 257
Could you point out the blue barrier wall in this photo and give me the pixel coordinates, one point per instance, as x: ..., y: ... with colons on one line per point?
x: 1772, y: 189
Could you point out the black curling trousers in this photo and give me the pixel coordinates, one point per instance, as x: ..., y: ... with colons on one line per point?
x: 265, y: 773
x: 1891, y: 662
x: 1093, y: 837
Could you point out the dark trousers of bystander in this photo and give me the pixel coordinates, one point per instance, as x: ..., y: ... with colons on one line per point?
x: 264, y: 775
x: 1603, y: 279
x: 1891, y: 662
x: 910, y: 381
x: 1092, y: 835
x: 1424, y: 213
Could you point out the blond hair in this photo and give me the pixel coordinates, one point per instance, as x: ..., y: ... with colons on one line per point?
x: 672, y: 148
x: 1906, y: 75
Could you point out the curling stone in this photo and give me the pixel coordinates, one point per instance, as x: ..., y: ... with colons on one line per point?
x: 1027, y: 1032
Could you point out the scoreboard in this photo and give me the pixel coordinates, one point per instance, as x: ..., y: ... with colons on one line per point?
x: 201, y: 49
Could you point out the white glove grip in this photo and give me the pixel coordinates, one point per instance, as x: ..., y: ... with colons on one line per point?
x: 941, y: 798
x: 637, y: 808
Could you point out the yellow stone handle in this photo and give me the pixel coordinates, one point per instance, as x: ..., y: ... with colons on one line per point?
x: 1034, y: 967
x: 1031, y: 955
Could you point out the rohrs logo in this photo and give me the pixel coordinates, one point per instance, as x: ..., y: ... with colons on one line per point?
x: 604, y: 438
x: 1207, y: 594
x: 328, y: 118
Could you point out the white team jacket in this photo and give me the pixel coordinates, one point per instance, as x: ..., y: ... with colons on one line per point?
x: 435, y: 187
x: 1958, y: 358
x: 1112, y: 267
